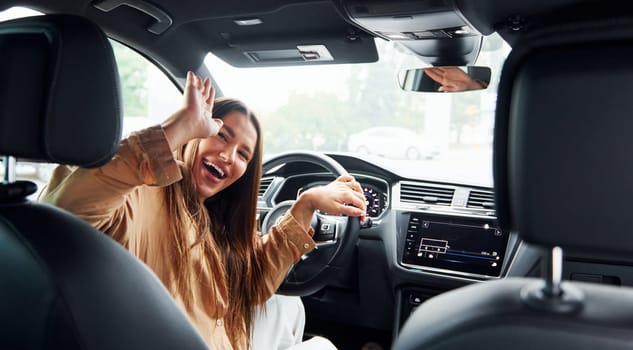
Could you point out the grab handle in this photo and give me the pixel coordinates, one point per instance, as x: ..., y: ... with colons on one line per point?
x: 163, y: 20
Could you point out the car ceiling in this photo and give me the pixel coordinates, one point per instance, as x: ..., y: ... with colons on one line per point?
x: 345, y: 27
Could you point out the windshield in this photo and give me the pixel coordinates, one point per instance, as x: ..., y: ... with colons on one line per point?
x: 360, y: 108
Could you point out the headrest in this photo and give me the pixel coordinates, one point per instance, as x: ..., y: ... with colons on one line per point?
x: 563, y: 150
x: 59, y: 91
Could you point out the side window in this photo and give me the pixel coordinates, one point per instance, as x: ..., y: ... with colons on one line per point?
x: 149, y: 96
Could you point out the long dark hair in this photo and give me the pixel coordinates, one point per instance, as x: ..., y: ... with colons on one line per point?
x: 234, y: 227
x: 227, y: 233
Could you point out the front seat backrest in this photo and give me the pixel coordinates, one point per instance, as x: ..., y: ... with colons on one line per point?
x: 63, y: 284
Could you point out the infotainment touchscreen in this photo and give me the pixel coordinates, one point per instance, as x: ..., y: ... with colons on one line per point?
x: 474, y: 248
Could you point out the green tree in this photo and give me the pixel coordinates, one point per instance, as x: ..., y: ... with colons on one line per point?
x: 133, y: 74
x: 464, y: 111
x: 376, y: 95
x: 374, y: 91
x: 310, y: 122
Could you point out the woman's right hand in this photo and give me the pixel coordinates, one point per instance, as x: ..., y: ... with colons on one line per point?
x: 195, y: 118
x: 453, y: 79
x: 343, y: 196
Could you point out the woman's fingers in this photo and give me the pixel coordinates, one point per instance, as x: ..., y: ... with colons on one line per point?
x: 345, y: 178
x: 349, y: 210
x: 435, y: 73
x: 194, y: 80
x: 211, y: 95
x: 197, y: 82
x: 189, y: 83
x: 208, y: 93
x: 358, y: 203
x: 351, y: 182
x: 354, y: 185
x: 345, y: 198
x: 199, y: 98
x: 206, y: 85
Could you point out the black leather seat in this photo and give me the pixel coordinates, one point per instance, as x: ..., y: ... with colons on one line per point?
x: 563, y: 167
x: 64, y: 285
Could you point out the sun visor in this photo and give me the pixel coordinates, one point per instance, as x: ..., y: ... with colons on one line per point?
x: 289, y: 53
x: 319, y: 35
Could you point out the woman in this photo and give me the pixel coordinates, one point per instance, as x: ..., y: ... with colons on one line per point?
x: 182, y: 197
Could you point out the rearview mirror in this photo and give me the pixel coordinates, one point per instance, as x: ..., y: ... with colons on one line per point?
x: 445, y: 79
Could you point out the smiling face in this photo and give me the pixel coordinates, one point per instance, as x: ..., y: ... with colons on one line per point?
x: 223, y: 159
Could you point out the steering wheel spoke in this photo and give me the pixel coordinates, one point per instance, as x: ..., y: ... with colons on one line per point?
x: 326, y: 228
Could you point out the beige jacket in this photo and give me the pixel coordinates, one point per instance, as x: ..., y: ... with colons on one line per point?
x: 124, y: 199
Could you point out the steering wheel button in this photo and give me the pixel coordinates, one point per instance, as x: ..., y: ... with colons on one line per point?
x: 327, y: 229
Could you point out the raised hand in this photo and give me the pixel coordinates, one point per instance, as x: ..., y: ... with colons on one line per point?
x: 453, y: 79
x: 195, y: 118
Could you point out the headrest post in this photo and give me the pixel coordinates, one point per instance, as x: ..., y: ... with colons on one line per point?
x: 550, y: 295
x: 553, y: 272
x: 9, y: 169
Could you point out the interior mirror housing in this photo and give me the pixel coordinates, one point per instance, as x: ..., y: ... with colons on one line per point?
x: 445, y: 78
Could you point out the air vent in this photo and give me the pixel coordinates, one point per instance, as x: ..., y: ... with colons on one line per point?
x: 426, y: 194
x: 481, y: 200
x: 263, y: 186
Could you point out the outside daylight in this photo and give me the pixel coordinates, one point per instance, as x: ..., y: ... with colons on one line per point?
x: 361, y: 108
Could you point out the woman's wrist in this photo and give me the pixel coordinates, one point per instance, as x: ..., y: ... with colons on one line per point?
x: 303, y: 209
x: 176, y: 130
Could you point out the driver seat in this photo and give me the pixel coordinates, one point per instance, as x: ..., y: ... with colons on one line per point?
x: 63, y: 284
x: 563, y: 167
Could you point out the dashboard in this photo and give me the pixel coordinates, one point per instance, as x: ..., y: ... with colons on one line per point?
x: 376, y: 190
x: 441, y: 228
x: 426, y: 238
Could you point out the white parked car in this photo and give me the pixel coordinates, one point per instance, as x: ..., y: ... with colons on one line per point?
x: 392, y: 142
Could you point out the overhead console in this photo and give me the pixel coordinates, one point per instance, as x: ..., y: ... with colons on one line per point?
x: 433, y: 29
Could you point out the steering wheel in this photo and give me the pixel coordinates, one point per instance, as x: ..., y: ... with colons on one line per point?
x: 335, y: 236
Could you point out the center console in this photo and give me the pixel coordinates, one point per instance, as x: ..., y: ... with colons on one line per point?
x: 465, y: 247
x: 453, y: 246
